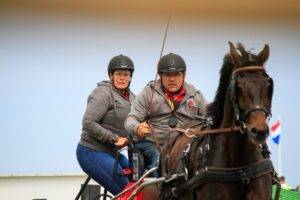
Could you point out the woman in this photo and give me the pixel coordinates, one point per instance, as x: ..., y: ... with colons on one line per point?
x: 103, y: 132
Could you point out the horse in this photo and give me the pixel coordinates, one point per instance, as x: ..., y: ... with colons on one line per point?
x: 225, y: 156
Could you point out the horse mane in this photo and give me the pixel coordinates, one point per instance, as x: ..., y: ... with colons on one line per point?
x: 216, y: 108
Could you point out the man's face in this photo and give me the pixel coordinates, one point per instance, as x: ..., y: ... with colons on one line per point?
x: 172, y: 81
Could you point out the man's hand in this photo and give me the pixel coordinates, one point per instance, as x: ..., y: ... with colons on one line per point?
x: 143, y: 130
x: 122, y: 142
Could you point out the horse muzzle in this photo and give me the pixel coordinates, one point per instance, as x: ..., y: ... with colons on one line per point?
x: 258, y: 134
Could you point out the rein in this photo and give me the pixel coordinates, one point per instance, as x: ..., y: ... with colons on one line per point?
x: 235, y: 174
x: 242, y: 128
x: 244, y: 173
x: 195, y: 133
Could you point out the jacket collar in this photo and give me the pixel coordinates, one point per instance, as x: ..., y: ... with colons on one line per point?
x: 190, y: 89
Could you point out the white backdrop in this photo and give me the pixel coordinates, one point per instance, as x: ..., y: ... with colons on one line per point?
x: 50, y: 62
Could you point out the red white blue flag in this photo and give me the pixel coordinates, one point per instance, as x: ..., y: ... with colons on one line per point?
x: 275, y: 130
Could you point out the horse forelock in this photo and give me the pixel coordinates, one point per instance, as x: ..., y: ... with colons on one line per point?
x: 247, y: 57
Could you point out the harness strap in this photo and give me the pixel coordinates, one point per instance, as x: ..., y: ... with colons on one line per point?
x: 185, y: 158
x: 167, y: 151
x: 190, y: 131
x: 219, y: 174
x: 278, y: 186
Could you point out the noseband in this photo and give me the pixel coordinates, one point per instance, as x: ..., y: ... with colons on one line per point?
x: 239, y: 116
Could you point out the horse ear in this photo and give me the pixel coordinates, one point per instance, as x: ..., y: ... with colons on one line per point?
x: 234, y: 55
x: 243, y: 51
x: 264, y: 55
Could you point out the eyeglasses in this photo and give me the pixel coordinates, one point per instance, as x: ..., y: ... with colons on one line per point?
x: 172, y: 74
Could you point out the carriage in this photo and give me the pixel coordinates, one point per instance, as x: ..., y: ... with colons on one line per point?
x: 223, y: 155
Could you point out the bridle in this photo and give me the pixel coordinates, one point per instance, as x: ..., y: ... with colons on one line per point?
x: 241, y: 117
x: 210, y: 173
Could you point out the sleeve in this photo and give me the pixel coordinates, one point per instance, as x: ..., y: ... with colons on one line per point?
x: 138, y: 112
x: 97, y: 106
x: 201, y: 104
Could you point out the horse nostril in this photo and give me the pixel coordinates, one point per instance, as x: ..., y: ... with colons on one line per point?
x: 264, y: 130
x: 260, y: 133
x: 257, y: 130
x: 254, y: 130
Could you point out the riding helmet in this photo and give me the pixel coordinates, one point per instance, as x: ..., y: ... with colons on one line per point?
x: 171, y: 63
x: 120, y: 62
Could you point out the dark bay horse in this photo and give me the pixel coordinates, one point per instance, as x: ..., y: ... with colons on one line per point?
x: 229, y: 159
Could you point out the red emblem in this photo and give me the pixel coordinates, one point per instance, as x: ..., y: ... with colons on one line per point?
x: 191, y: 104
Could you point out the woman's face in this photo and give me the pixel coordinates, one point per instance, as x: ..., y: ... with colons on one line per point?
x: 121, y: 79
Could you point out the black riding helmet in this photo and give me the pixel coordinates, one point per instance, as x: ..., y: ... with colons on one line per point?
x: 120, y: 62
x: 171, y: 63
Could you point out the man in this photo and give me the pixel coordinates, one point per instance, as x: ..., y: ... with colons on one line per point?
x: 174, y: 104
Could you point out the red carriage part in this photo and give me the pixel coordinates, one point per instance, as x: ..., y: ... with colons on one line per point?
x: 127, y: 194
x: 127, y: 171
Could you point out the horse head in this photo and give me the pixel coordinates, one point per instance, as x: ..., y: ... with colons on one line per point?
x: 219, y: 162
x: 251, y: 91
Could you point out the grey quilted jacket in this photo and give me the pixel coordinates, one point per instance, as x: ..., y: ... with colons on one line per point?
x: 193, y: 104
x: 104, y: 116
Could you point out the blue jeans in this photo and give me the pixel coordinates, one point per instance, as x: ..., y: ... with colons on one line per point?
x: 150, y: 153
x: 100, y: 167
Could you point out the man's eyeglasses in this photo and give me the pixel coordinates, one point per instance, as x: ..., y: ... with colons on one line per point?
x: 172, y: 74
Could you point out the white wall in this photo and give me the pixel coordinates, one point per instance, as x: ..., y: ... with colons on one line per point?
x: 50, y: 187
x: 50, y: 60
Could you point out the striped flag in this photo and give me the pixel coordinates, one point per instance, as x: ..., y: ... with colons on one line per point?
x: 275, y: 130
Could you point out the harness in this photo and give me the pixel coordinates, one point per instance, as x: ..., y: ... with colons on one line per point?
x: 241, y: 174
x: 244, y: 174
x: 240, y: 117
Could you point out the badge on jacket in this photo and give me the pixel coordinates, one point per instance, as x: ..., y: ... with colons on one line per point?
x: 191, y: 105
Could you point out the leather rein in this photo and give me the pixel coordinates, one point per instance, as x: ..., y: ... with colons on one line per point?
x: 243, y: 174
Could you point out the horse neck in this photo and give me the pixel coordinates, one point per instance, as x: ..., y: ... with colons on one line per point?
x: 233, y: 149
